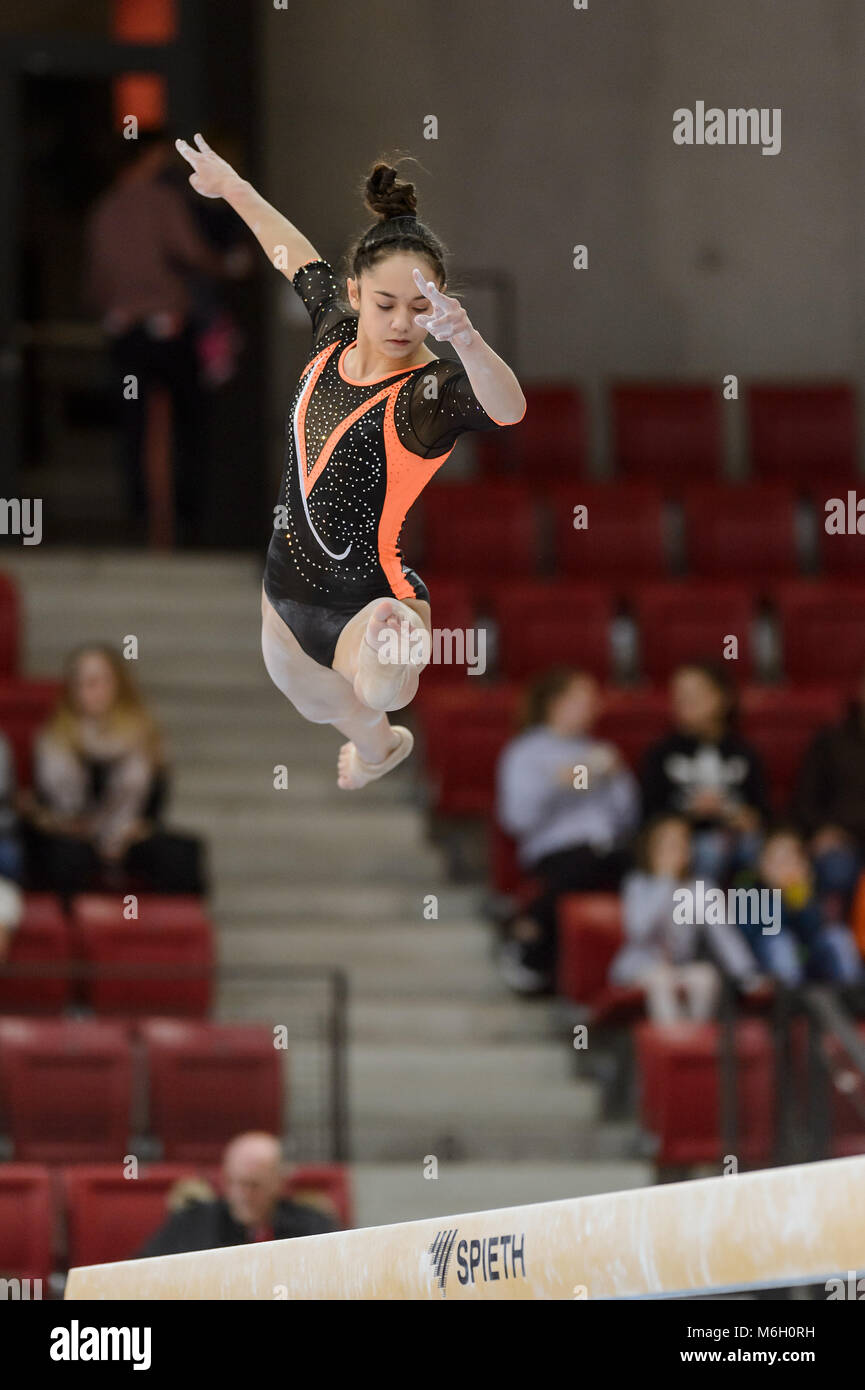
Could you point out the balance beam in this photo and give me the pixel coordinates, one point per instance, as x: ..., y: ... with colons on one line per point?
x: 772, y: 1228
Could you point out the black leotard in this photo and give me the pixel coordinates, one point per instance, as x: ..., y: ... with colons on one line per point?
x: 357, y: 456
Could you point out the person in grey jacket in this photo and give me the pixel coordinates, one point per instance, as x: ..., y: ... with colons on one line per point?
x: 663, y: 949
x: 572, y: 806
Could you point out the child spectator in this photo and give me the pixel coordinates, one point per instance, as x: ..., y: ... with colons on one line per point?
x: 571, y: 804
x: 704, y: 771
x: 805, y: 947
x: 99, y: 782
x: 662, y: 954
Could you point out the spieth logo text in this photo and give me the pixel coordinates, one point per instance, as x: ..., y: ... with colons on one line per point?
x: 481, y: 1260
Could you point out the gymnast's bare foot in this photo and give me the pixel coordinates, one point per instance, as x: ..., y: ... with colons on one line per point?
x: 378, y: 681
x: 353, y: 772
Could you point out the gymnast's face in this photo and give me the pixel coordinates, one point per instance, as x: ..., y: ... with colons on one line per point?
x: 387, y: 299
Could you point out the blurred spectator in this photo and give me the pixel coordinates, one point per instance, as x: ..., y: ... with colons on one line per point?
x: 829, y: 806
x: 661, y: 953
x: 141, y: 236
x: 11, y: 850
x: 252, y: 1208
x: 99, y: 785
x: 704, y: 771
x: 11, y: 911
x: 805, y: 947
x: 571, y: 804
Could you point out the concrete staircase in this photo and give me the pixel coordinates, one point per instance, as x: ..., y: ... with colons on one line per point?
x: 443, y: 1060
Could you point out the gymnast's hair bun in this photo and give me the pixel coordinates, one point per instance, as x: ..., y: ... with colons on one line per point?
x: 386, y: 195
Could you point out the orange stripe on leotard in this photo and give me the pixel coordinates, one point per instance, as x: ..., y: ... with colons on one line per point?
x: 407, y: 476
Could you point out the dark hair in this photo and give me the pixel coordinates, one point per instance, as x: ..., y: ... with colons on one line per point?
x: 719, y: 677
x: 647, y: 834
x: 394, y: 202
x: 546, y: 688
x: 782, y: 829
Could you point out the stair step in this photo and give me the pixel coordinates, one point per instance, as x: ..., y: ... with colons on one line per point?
x: 239, y: 904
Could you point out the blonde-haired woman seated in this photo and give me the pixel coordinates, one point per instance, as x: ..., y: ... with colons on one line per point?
x: 100, y: 779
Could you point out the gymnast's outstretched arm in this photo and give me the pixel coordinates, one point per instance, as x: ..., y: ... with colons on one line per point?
x: 492, y: 380
x: 285, y: 247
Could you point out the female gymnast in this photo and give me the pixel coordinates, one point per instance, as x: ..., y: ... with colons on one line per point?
x: 374, y: 415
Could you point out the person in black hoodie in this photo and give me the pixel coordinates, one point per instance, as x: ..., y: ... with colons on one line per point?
x: 705, y: 772
x: 252, y: 1208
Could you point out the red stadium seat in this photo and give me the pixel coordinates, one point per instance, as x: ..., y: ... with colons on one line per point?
x: 477, y: 532
x: 325, y: 1185
x: 169, y: 931
x: 66, y: 1088
x: 678, y: 1067
x: 822, y: 630
x: 740, y: 532
x: 109, y: 1216
x: 9, y: 626
x: 25, y: 706
x: 780, y: 722
x: 464, y: 731
x: 623, y: 535
x: 41, y: 938
x: 847, y: 1125
x: 208, y: 1082
x: 506, y: 875
x: 841, y: 553
x: 550, y: 443
x: 26, y: 1224
x: 545, y: 624
x: 667, y: 432
x: 800, y: 431
x: 590, y: 933
x: 632, y: 720
x: 690, y: 622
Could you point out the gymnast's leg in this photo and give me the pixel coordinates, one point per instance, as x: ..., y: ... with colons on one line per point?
x: 382, y: 650
x: 324, y: 696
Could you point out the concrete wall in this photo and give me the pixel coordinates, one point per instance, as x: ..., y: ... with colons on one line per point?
x: 555, y: 127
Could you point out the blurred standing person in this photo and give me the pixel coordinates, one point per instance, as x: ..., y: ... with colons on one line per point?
x: 572, y: 806
x: 142, y: 242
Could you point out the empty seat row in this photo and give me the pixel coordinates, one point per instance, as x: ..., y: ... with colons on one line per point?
x: 156, y: 961
x: 76, y: 1091
x: 96, y: 1213
x: 538, y: 624
x: 672, y: 432
x: 466, y: 727
x: 626, y: 534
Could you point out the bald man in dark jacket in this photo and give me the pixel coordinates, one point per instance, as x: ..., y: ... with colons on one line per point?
x: 252, y: 1208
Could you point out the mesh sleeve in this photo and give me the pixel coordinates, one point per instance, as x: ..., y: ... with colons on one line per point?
x: 321, y: 293
x: 442, y: 406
